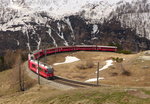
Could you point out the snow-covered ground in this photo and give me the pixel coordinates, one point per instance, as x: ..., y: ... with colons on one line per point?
x: 60, y: 8
x: 108, y: 64
x: 69, y: 59
x: 145, y: 56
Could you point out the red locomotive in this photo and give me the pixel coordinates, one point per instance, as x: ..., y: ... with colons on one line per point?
x: 47, y: 71
x: 41, y: 68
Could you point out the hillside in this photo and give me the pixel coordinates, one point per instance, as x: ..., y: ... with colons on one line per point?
x: 138, y: 69
x: 130, y: 88
x: 28, y: 24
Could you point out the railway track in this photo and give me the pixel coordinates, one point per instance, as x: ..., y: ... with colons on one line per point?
x: 47, y: 71
x: 59, y: 82
x: 73, y: 83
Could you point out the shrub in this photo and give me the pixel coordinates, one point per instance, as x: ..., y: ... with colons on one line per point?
x: 119, y: 46
x: 24, y: 56
x: 87, y: 65
x: 119, y: 60
x: 125, y: 52
x: 9, y: 59
x: 1, y: 63
x: 114, y: 74
x: 81, y: 66
x: 126, y: 73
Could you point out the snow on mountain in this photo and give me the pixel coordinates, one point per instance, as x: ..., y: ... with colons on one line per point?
x: 136, y: 16
x: 61, y: 8
x: 69, y: 22
x: 15, y: 12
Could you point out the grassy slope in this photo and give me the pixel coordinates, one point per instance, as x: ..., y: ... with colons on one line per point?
x: 139, y: 69
x: 96, y: 96
x: 103, y: 95
x: 46, y: 95
x: 5, y: 83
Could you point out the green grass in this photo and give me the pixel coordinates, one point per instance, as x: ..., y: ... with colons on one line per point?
x: 106, y: 96
x: 125, y: 52
x: 146, y: 91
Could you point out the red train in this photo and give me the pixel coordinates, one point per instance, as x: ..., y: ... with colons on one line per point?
x: 47, y: 71
x: 44, y: 70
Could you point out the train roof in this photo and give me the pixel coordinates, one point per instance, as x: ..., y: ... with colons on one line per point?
x: 41, y: 64
x: 108, y: 46
x: 36, y: 51
x: 95, y: 45
x: 85, y: 45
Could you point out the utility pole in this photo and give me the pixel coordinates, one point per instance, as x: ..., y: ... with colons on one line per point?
x: 45, y: 53
x: 21, y: 75
x: 98, y: 74
x: 20, y: 81
x: 38, y: 72
x: 23, y: 87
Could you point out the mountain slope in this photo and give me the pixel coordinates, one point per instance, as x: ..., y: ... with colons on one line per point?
x: 30, y: 24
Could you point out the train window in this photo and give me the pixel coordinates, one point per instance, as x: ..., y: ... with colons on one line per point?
x: 34, y: 66
x: 41, y: 53
x: 36, y: 55
x: 32, y: 58
x: 40, y: 69
x: 46, y: 71
x: 50, y: 70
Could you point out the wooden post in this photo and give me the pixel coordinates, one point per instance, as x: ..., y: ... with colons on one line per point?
x: 23, y: 87
x: 45, y: 56
x: 98, y: 74
x: 20, y: 81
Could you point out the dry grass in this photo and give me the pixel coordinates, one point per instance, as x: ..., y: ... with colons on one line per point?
x: 46, y: 95
x: 136, y: 71
x: 86, y: 65
x: 9, y: 83
x: 108, y: 95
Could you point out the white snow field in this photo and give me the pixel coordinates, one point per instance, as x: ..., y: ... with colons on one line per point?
x: 108, y: 64
x: 69, y: 59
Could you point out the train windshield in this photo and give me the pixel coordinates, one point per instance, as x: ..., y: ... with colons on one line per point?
x: 50, y: 70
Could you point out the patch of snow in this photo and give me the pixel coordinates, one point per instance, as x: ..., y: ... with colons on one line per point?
x: 95, y: 38
x: 61, y: 34
x: 95, y: 29
x: 61, y: 8
x: 28, y: 43
x: 39, y: 43
x: 108, y: 64
x: 94, y: 79
x: 144, y: 58
x: 69, y: 23
x: 65, y: 42
x: 69, y: 59
x: 50, y: 34
x: 18, y: 42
